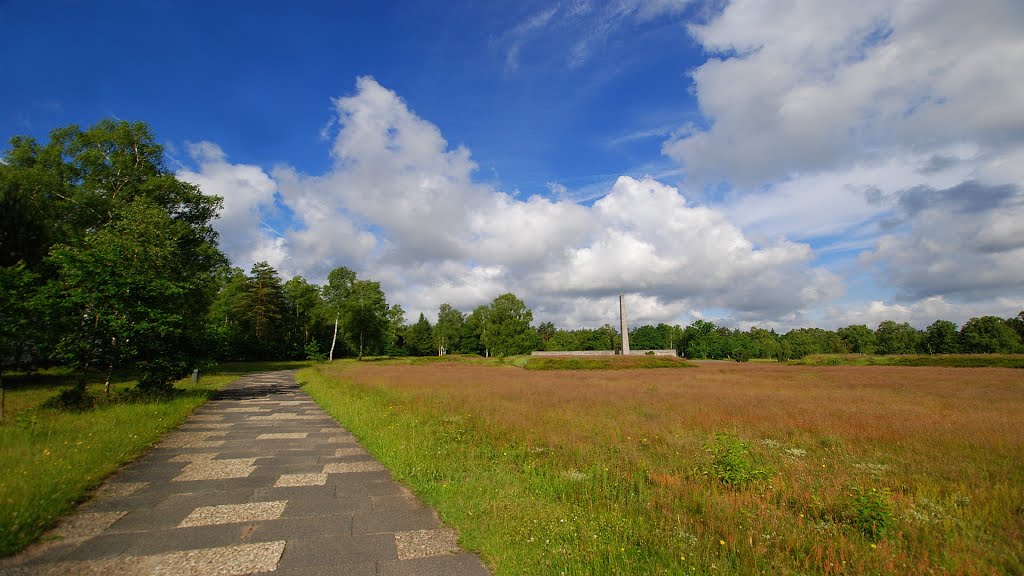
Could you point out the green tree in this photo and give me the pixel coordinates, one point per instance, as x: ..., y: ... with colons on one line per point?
x: 125, y: 292
x: 21, y: 322
x: 896, y: 338
x: 419, y: 338
x: 802, y: 342
x: 741, y: 346
x: 81, y: 181
x: 941, y: 337
x: 563, y: 340
x: 507, y: 330
x: 670, y: 335
x: 859, y: 338
x: 989, y: 335
x: 471, y: 340
x: 448, y: 330
x: 701, y: 339
x: 336, y: 293
x: 223, y: 316
x: 120, y: 242
x: 1017, y: 323
x: 394, y: 336
x: 262, y: 313
x: 646, y: 337
x: 303, y: 303
x: 546, y: 330
x: 764, y: 344
x: 364, y: 316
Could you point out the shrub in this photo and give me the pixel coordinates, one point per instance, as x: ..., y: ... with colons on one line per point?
x: 313, y: 352
x: 731, y: 462
x: 73, y: 399
x: 869, y: 511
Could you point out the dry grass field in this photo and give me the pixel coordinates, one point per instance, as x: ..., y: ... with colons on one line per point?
x: 727, y: 468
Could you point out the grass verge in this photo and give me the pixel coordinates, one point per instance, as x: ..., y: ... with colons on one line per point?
x: 742, y: 469
x: 52, y: 459
x: 941, y: 360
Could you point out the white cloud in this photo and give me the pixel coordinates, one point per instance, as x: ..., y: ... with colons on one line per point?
x: 802, y: 86
x: 919, y: 314
x: 400, y: 206
x: 248, y: 194
x: 890, y: 128
x: 966, y: 241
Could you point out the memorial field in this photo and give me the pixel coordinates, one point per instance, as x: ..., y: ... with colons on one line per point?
x: 726, y: 468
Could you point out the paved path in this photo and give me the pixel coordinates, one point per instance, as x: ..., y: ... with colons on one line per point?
x: 260, y: 480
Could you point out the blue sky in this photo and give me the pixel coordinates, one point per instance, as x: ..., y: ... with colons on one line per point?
x: 774, y: 164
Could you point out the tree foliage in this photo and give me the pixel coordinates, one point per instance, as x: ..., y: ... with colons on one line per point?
x: 364, y: 317
x: 896, y: 338
x: 507, y: 329
x: 941, y: 337
x: 448, y: 331
x: 125, y: 249
x: 858, y: 338
x: 989, y: 335
x: 419, y: 338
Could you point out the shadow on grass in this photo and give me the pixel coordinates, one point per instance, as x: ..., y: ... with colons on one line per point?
x: 262, y: 366
x: 57, y: 377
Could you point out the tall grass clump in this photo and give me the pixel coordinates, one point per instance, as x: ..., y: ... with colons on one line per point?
x: 731, y: 462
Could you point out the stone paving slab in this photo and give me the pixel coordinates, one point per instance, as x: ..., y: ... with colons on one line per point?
x: 258, y: 481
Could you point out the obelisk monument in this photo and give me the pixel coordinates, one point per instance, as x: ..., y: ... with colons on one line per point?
x: 622, y: 320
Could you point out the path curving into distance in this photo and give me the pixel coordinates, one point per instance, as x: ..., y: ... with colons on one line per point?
x: 260, y: 480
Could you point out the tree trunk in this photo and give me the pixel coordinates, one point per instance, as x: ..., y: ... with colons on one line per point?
x: 3, y: 397
x: 360, y: 345
x: 330, y: 357
x: 106, y: 385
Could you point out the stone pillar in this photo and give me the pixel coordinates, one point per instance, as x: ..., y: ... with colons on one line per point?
x: 622, y: 320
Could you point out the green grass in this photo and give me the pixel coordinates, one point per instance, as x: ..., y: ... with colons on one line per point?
x: 248, y: 367
x: 941, y: 360
x: 750, y: 471
x: 51, y: 459
x: 603, y: 362
x: 506, y: 492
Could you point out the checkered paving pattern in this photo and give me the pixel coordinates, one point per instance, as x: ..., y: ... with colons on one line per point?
x: 258, y: 481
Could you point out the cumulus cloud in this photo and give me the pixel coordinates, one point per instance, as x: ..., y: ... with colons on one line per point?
x: 965, y: 242
x: 889, y: 129
x: 400, y: 205
x: 919, y: 314
x: 248, y: 195
x: 803, y: 86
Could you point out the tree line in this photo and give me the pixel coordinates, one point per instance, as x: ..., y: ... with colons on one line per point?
x: 257, y: 316
x: 703, y: 339
x: 108, y: 261
x: 983, y: 335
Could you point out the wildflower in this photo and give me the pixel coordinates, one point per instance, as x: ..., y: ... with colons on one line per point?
x: 722, y: 542
x: 873, y: 545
